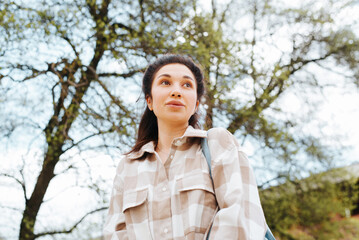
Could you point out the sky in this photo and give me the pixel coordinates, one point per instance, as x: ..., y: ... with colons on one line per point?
x: 339, y: 112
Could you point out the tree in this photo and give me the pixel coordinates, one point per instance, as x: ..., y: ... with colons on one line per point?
x: 254, y: 54
x: 60, y: 50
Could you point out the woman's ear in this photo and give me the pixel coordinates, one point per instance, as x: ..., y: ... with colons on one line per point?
x: 197, y: 104
x: 149, y: 102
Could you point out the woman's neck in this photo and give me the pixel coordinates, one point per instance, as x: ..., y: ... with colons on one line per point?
x: 166, y: 134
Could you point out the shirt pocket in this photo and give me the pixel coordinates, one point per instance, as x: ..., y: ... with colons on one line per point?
x: 198, y: 203
x: 135, y: 209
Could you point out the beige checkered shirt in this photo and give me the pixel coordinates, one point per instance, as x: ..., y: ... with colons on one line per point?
x: 176, y: 200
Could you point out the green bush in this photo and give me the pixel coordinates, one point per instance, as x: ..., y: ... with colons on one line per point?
x: 309, y: 203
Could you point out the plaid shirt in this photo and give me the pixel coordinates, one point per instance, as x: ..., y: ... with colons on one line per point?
x: 175, y: 200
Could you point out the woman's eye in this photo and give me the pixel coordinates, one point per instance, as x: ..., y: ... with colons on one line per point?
x: 165, y: 82
x: 188, y: 85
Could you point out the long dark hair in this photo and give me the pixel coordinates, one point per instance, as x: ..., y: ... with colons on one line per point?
x: 148, y: 129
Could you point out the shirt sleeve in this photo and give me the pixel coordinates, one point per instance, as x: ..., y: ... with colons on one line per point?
x: 240, y: 215
x: 115, y: 226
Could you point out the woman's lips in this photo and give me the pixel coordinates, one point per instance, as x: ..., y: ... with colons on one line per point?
x: 175, y: 104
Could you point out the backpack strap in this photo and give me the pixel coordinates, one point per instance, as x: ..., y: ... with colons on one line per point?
x: 269, y: 235
x: 207, y: 155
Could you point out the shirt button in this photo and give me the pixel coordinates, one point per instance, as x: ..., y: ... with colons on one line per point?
x: 164, y: 189
x: 165, y: 230
x: 171, y: 156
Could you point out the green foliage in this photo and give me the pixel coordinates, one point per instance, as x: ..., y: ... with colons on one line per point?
x: 339, y: 230
x: 342, y: 229
x: 309, y: 202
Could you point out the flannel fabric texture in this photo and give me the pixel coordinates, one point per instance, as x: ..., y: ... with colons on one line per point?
x: 175, y: 200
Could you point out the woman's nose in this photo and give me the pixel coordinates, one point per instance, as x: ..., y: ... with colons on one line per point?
x: 176, y: 93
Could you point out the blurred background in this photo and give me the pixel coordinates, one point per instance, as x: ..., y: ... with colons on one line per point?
x: 282, y: 76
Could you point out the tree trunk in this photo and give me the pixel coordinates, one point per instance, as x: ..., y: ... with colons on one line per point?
x: 209, y: 115
x: 33, y: 204
x: 56, y: 134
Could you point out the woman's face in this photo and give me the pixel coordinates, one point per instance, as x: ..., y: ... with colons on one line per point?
x: 173, y: 94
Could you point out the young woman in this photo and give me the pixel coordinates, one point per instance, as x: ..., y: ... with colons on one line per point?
x: 162, y: 188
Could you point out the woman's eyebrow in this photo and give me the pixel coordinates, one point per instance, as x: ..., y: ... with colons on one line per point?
x: 167, y: 75
x: 188, y: 77
x: 163, y: 75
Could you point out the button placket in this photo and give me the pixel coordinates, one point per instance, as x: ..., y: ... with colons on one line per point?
x: 178, y: 142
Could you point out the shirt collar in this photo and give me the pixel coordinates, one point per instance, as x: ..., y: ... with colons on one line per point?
x: 150, y: 146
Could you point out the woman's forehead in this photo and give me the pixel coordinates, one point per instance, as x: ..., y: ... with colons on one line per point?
x: 174, y: 69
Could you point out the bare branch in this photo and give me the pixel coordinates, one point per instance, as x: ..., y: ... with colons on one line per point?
x: 62, y: 191
x: 73, y: 227
x: 123, y: 75
x: 22, y: 184
x: 280, y: 176
x: 88, y: 137
x: 115, y: 99
x: 67, y: 39
x: 333, y: 71
x: 66, y: 169
x: 214, y: 9
x: 115, y: 26
x: 13, y: 209
x: 35, y: 72
x: 225, y: 11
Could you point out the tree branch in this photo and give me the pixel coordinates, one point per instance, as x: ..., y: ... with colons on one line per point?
x: 22, y: 184
x: 88, y: 137
x: 280, y: 176
x: 123, y: 75
x: 67, y: 39
x: 333, y: 71
x: 71, y: 228
x: 23, y: 67
x: 114, y: 99
x: 115, y: 26
x: 225, y: 11
x: 12, y: 208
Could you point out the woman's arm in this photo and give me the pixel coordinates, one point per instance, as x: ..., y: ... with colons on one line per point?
x: 115, y: 226
x: 240, y: 215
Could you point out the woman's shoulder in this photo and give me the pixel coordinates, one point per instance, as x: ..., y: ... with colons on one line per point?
x: 121, y: 163
x: 125, y: 166
x: 219, y: 130
x: 221, y: 137
x: 128, y: 159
